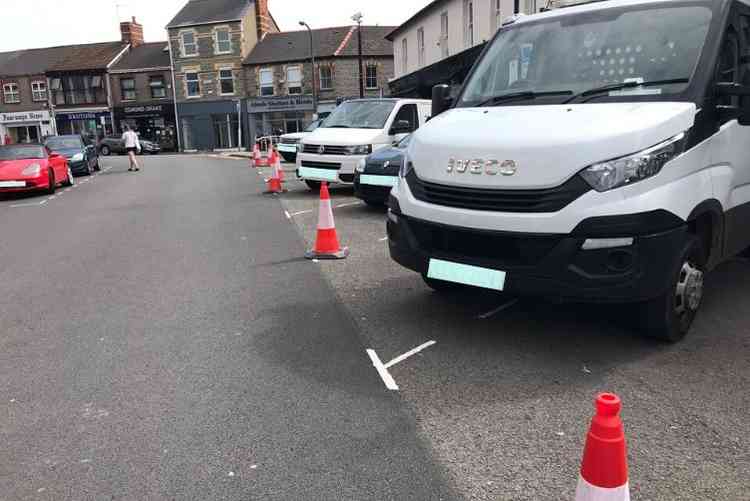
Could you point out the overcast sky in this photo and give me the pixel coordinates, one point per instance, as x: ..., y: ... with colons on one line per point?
x: 44, y: 23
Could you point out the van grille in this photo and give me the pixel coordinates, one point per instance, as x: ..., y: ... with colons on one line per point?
x: 320, y: 165
x: 328, y: 150
x: 483, y: 199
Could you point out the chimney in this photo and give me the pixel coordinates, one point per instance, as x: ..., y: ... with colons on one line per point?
x: 132, y: 33
x: 263, y: 18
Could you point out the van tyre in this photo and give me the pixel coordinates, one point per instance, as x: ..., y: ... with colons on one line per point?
x: 670, y: 316
x: 313, y: 185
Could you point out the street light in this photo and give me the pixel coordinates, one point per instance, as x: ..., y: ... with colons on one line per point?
x: 312, y: 59
x: 357, y: 18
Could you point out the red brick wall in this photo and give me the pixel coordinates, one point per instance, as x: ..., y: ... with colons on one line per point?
x: 132, y: 33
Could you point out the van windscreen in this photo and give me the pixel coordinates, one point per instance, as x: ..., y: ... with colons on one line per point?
x: 360, y: 115
x: 571, y: 53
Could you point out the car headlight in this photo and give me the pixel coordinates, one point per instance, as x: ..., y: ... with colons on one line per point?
x: 77, y: 157
x: 406, y: 166
x: 361, y: 166
x: 300, y: 147
x: 362, y: 149
x: 612, y: 174
x: 32, y: 170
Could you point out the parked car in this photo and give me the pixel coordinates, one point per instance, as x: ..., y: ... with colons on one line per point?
x: 29, y: 167
x: 378, y: 173
x: 115, y: 144
x: 355, y: 129
x: 288, y: 142
x: 79, y: 151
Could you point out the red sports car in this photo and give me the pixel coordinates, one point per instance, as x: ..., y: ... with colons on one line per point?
x: 28, y: 167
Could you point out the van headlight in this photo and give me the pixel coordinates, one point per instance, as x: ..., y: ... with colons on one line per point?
x: 406, y: 166
x: 622, y: 171
x: 361, y: 165
x: 77, y: 157
x: 300, y: 147
x: 362, y: 149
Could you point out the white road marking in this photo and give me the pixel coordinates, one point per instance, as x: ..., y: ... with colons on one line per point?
x: 497, y: 310
x: 288, y: 216
x: 384, y: 374
x: 301, y: 212
x: 383, y: 239
x: 347, y: 205
x: 408, y: 354
x: 35, y: 204
x: 43, y: 202
x: 253, y: 466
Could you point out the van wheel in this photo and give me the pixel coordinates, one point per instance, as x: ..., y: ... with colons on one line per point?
x: 313, y: 185
x: 440, y: 285
x: 669, y: 316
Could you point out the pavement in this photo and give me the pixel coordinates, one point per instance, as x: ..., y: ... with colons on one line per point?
x: 161, y: 338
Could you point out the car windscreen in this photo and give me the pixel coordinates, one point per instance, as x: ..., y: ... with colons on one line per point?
x: 360, y: 115
x: 19, y: 152
x: 573, y: 53
x: 63, y: 143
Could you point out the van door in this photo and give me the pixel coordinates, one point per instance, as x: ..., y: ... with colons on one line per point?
x: 731, y: 145
x: 407, y: 113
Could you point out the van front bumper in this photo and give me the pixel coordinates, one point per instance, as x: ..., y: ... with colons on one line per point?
x: 332, y: 168
x: 553, y: 266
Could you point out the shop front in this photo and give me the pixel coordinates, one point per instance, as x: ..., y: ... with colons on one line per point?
x: 273, y: 116
x: 94, y: 123
x: 154, y: 122
x: 208, y: 126
x: 25, y: 127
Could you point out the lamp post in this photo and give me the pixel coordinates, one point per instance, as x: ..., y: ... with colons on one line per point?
x: 357, y: 18
x: 312, y: 61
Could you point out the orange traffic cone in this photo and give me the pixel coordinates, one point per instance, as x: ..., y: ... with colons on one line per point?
x: 275, y: 160
x: 326, y: 242
x: 256, y: 155
x: 274, y: 183
x: 604, y: 470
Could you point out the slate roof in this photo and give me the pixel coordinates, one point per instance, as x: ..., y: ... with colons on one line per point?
x: 210, y: 11
x: 328, y: 42
x: 147, y: 55
x: 39, y: 61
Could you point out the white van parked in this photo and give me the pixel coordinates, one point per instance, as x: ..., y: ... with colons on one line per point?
x: 595, y: 153
x: 354, y: 130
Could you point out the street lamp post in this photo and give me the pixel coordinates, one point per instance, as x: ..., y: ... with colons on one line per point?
x: 312, y: 60
x: 357, y: 18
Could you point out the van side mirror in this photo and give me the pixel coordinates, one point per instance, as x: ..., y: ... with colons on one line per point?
x: 741, y: 112
x: 401, y: 127
x: 441, y: 99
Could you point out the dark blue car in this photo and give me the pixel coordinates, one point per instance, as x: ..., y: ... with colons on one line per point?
x: 80, y: 151
x: 374, y: 178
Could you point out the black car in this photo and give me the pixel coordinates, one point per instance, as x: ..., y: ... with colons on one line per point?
x: 115, y: 144
x: 80, y: 151
x: 378, y: 173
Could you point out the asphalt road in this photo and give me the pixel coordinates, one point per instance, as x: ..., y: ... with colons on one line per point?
x: 162, y: 338
x: 504, y: 397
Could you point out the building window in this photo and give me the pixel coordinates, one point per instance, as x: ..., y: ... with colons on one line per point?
x: 127, y: 85
x: 469, y: 23
x: 266, y: 82
x: 193, y: 84
x: 158, y: 90
x: 420, y: 46
x: 189, y: 44
x: 444, y: 35
x: 404, y: 55
x: 371, y: 76
x: 223, y: 41
x: 294, y: 80
x: 497, y: 14
x: 326, y: 78
x: 39, y: 90
x: 226, y: 81
x: 11, y: 94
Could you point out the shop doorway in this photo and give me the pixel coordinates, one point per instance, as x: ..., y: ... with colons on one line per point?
x: 25, y: 134
x: 226, y: 131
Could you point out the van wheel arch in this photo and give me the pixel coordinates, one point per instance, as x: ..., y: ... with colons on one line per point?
x: 706, y: 222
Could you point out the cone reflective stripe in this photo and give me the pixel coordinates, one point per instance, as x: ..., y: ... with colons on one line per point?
x: 276, y: 162
x: 274, y: 183
x: 604, y: 469
x: 326, y: 241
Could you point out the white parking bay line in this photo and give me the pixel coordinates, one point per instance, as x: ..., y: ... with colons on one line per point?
x: 409, y: 353
x: 301, y: 212
x: 35, y: 204
x: 382, y: 368
x: 288, y: 216
x: 350, y: 204
x: 383, y: 239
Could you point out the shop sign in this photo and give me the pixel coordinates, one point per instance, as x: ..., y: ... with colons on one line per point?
x: 287, y: 103
x: 81, y: 116
x: 25, y: 116
x: 156, y: 109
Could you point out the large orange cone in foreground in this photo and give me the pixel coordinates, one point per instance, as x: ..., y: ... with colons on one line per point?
x: 604, y: 470
x: 326, y: 242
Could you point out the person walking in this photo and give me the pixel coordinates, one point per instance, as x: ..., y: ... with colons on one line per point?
x: 132, y: 145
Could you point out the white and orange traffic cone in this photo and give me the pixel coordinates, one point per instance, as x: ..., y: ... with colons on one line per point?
x: 604, y: 469
x: 274, y: 183
x: 326, y: 241
x: 256, y: 155
x: 275, y: 160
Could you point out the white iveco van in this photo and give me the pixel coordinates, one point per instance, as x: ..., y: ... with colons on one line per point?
x: 354, y: 130
x: 599, y: 152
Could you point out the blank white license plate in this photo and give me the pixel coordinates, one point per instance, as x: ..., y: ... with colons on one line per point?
x: 318, y: 174
x: 12, y: 184
x: 466, y: 274
x: 378, y: 180
x: 288, y: 148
